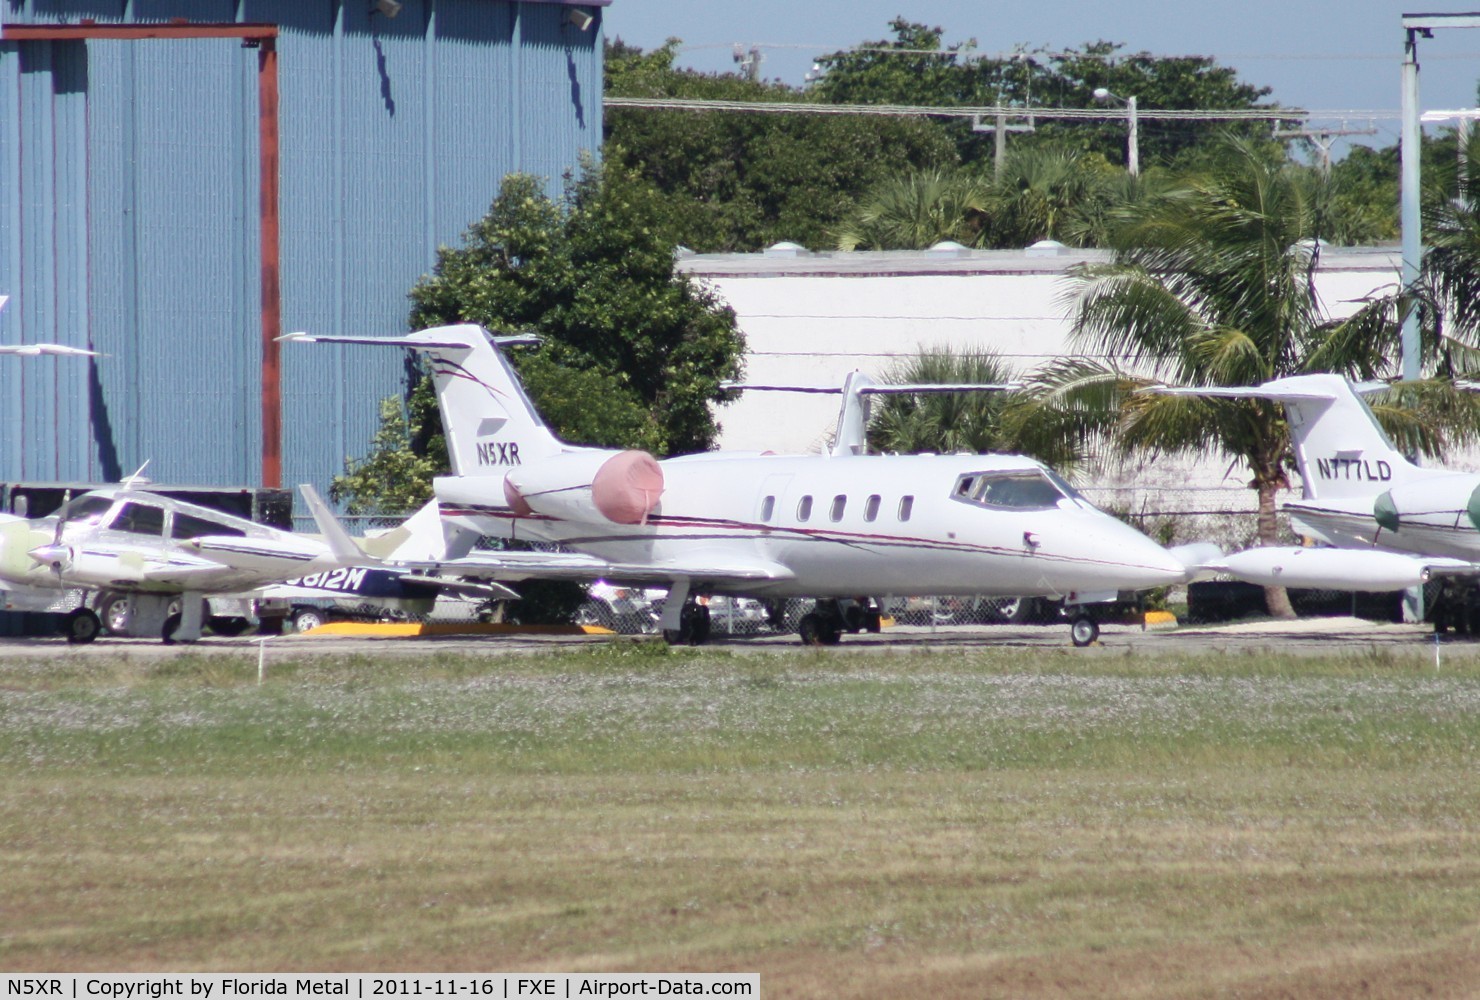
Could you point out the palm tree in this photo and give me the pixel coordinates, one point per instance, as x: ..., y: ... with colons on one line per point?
x: 1212, y: 284
x: 945, y: 423
x: 917, y: 211
x: 1044, y: 192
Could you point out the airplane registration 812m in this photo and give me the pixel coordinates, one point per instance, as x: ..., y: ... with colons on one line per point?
x: 845, y: 530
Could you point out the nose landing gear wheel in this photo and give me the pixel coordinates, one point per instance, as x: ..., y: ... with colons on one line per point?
x: 81, y: 626
x: 1084, y: 630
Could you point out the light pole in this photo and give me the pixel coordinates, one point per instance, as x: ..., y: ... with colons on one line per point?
x: 1133, y: 151
x: 1415, y: 26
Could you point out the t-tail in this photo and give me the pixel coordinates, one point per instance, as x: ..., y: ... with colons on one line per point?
x: 1340, y: 448
x: 489, y: 423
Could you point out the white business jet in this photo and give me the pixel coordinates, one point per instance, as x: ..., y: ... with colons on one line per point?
x: 1393, y: 523
x: 161, y: 556
x: 836, y: 527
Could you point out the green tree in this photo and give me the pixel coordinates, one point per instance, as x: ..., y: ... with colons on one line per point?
x: 395, y: 477
x: 915, y: 67
x: 950, y: 422
x: 634, y: 352
x: 1211, y: 286
x: 916, y: 211
x: 743, y: 181
x: 1044, y: 192
x: 1048, y: 193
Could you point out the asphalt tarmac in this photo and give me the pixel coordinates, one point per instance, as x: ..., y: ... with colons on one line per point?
x: 1302, y: 637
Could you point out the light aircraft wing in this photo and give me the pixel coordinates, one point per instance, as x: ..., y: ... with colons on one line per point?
x: 185, y: 577
x: 515, y: 566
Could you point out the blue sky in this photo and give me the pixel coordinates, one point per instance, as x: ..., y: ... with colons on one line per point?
x: 1324, y: 55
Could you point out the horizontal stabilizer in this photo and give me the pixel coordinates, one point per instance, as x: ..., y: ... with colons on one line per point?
x: 449, y: 338
x: 35, y: 350
x: 900, y: 389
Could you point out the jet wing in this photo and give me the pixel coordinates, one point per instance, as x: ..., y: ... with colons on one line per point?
x: 516, y: 566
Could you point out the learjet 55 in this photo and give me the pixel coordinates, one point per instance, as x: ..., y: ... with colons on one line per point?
x: 843, y: 529
x: 1393, y: 524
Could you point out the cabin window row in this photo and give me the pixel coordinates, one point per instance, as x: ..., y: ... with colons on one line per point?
x: 838, y: 508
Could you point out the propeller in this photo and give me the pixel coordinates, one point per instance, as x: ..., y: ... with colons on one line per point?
x: 57, y: 555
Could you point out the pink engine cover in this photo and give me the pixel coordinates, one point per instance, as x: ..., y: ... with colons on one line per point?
x: 627, y: 487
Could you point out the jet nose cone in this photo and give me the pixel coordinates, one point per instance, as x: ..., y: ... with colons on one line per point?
x: 1162, y: 568
x: 1144, y: 564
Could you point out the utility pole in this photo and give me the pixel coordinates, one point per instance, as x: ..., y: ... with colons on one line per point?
x: 1001, y: 128
x: 749, y: 61
x: 1322, y: 139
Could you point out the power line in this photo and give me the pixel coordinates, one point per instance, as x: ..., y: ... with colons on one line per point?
x: 913, y: 110
x: 973, y: 55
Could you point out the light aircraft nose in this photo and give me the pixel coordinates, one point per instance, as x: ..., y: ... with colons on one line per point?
x: 50, y: 555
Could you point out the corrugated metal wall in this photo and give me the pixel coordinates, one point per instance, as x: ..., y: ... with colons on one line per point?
x: 128, y: 215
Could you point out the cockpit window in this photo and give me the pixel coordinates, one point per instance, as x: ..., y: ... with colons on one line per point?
x: 1019, y: 489
x: 141, y: 519
x: 188, y: 526
x: 86, y: 509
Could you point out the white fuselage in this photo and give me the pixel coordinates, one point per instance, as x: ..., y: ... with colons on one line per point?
x: 1435, y: 515
x: 846, y: 526
x: 183, y: 548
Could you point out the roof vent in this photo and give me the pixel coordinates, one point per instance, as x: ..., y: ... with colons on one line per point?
x: 948, y: 248
x: 785, y: 249
x: 1047, y: 248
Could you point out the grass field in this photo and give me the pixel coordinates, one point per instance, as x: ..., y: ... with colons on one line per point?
x: 1001, y: 823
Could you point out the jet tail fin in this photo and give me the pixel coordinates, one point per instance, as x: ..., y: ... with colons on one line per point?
x: 489, y: 422
x: 1340, y: 448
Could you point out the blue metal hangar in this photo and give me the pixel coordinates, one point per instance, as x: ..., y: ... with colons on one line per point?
x: 183, y: 180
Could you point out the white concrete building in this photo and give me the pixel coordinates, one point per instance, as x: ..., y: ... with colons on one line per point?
x: 809, y: 318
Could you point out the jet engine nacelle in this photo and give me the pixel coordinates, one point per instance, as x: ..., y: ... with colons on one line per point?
x: 1327, y: 569
x: 621, y: 487
x: 1438, y: 501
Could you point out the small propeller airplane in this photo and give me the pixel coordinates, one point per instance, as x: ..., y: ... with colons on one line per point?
x: 1392, y: 524
x: 158, y: 554
x: 843, y: 528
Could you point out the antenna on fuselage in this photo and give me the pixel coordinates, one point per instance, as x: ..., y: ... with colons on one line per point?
x: 128, y: 482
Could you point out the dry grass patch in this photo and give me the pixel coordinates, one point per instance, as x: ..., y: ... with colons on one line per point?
x: 975, y: 830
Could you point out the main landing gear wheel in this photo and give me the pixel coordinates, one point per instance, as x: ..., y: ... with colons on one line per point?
x: 818, y: 630
x: 308, y: 619
x: 171, y: 626
x: 1084, y: 630
x: 693, y: 627
x: 81, y: 626
x: 114, y: 613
